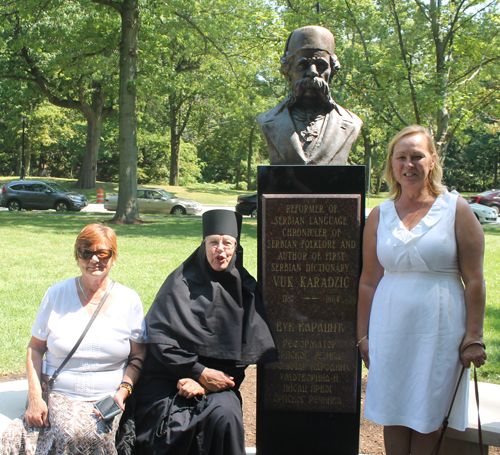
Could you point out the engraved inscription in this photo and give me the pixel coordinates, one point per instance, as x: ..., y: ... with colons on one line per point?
x: 311, y: 271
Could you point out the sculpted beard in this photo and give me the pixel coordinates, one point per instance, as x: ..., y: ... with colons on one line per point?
x: 317, y: 83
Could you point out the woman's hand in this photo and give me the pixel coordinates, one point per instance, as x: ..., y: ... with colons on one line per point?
x: 120, y: 396
x: 189, y: 388
x: 474, y: 353
x: 215, y: 380
x: 37, y: 414
x: 364, y: 350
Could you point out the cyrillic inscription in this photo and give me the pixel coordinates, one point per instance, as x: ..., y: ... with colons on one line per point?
x: 311, y: 271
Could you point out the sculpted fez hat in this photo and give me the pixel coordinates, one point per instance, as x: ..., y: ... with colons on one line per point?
x: 310, y: 37
x: 222, y: 222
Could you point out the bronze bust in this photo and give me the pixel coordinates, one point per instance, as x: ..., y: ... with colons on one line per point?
x: 308, y: 127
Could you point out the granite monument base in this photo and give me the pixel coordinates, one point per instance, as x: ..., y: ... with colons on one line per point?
x: 310, y: 222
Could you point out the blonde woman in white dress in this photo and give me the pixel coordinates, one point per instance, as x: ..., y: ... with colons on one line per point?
x: 421, y: 299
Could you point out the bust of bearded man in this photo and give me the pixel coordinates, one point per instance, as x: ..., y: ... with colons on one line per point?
x: 309, y: 127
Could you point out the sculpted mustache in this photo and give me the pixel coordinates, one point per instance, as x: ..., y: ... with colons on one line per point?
x: 302, y: 85
x: 317, y: 83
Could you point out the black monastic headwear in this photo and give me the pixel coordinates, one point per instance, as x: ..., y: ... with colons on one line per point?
x: 222, y: 222
x: 217, y: 314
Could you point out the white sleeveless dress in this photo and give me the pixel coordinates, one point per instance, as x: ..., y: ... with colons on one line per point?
x: 417, y: 323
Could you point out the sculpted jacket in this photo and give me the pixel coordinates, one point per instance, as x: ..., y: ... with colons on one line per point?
x: 340, y: 130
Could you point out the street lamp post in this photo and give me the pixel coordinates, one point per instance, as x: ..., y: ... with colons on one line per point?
x: 22, y: 150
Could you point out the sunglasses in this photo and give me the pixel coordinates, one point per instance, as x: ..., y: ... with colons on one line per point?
x: 88, y: 254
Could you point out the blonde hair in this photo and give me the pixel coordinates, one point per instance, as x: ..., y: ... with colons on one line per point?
x: 434, y: 184
x: 95, y: 233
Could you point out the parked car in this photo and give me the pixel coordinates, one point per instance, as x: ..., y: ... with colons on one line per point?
x: 32, y: 194
x: 490, y: 198
x: 484, y: 214
x: 247, y: 205
x: 157, y: 200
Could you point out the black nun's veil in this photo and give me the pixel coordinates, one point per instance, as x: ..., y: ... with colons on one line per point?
x: 213, y: 314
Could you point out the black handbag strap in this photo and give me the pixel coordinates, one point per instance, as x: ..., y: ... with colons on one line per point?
x: 480, y: 432
x: 445, y: 422
x: 82, y: 336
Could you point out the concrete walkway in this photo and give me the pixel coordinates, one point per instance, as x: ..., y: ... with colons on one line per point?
x: 12, y: 401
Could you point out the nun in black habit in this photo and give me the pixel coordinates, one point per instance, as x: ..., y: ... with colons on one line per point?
x: 206, y: 325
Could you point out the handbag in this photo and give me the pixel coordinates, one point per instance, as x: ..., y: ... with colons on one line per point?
x: 445, y: 422
x: 178, y: 415
x: 46, y: 381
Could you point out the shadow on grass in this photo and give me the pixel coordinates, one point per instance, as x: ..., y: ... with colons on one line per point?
x: 216, y: 191
x: 492, y: 230
x: 177, y: 227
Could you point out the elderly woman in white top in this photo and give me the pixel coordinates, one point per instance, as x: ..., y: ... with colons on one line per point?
x: 107, y: 362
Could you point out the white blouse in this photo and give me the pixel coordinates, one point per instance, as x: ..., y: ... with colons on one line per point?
x: 96, y: 368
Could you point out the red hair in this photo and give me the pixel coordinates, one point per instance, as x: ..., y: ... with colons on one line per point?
x: 94, y: 234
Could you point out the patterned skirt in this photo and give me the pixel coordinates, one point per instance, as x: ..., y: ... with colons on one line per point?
x: 74, y: 430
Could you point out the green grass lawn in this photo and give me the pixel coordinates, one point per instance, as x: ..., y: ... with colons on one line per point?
x: 36, y: 251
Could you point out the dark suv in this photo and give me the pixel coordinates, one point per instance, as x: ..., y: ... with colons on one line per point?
x: 490, y: 198
x: 31, y: 194
x: 247, y: 205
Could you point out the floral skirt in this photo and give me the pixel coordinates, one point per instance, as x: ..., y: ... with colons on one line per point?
x: 74, y: 430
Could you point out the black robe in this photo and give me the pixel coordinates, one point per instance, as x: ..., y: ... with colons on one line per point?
x: 200, y: 318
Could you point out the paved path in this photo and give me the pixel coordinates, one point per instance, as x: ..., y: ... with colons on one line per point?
x: 12, y: 400
x: 99, y: 208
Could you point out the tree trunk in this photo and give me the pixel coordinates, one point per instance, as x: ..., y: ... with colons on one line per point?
x: 238, y: 173
x: 127, y: 210
x: 178, y: 124
x: 495, y: 175
x: 379, y: 185
x: 175, y: 143
x: 88, y: 172
x: 175, y: 153
x: 96, y: 112
x: 368, y: 145
x: 250, y: 155
x: 442, y: 138
x: 27, y: 155
x: 96, y: 115
x: 20, y: 159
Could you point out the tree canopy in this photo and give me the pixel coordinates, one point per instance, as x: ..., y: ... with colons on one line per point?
x: 185, y: 110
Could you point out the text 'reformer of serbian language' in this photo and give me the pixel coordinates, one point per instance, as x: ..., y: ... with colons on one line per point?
x: 311, y: 267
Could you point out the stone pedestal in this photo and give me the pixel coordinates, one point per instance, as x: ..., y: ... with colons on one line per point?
x: 310, y: 224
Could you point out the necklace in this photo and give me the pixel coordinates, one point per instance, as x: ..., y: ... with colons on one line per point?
x: 414, y: 216
x: 81, y: 289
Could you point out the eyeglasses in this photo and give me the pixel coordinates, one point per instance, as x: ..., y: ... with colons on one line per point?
x: 85, y: 254
x: 226, y: 244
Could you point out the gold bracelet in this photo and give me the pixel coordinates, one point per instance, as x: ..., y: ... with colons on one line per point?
x: 126, y: 385
x: 359, y: 342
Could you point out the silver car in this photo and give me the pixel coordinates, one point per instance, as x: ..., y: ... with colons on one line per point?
x: 157, y: 200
